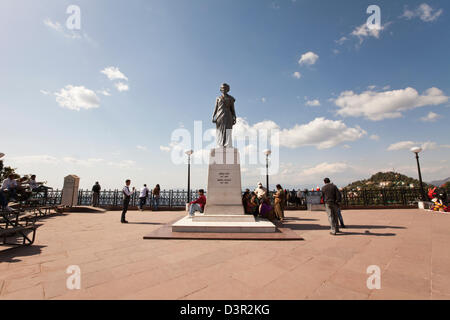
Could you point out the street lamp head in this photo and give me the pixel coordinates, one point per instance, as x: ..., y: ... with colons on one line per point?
x: 416, y: 149
x: 267, y: 152
x: 189, y: 152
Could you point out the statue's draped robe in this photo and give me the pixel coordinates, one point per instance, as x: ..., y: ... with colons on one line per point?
x: 224, y: 116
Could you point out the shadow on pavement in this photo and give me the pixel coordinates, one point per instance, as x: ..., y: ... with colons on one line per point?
x: 10, y: 255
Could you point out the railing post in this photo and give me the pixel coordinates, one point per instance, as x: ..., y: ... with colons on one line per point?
x: 170, y: 198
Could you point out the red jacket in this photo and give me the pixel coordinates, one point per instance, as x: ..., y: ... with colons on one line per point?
x: 201, y: 201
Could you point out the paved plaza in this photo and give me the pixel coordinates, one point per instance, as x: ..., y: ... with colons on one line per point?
x: 411, y: 247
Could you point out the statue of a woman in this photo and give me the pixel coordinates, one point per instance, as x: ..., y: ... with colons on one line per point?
x: 224, y: 117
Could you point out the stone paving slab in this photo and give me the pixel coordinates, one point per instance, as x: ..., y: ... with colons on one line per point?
x: 409, y: 246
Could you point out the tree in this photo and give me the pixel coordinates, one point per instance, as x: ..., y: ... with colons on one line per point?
x: 5, y: 171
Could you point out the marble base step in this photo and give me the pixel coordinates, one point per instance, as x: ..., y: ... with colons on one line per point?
x: 224, y: 218
x: 187, y: 224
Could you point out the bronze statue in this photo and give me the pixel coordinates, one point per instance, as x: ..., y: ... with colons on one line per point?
x: 224, y: 117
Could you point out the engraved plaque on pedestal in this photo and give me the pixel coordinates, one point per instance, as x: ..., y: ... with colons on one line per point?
x: 224, y: 196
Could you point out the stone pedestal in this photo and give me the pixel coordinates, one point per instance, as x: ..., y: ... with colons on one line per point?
x: 224, y: 211
x: 70, y: 191
x: 224, y: 183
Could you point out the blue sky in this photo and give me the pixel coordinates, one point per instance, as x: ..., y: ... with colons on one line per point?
x: 354, y: 105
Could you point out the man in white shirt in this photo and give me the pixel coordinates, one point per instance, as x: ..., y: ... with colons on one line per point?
x: 37, y: 186
x: 260, y: 191
x: 10, y: 187
x: 126, y: 200
x: 143, y: 197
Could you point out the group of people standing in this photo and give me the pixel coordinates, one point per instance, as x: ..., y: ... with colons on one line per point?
x: 258, y: 203
x: 144, y: 194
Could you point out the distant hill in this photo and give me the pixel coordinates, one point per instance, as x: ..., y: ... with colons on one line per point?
x: 438, y: 183
x: 386, y: 180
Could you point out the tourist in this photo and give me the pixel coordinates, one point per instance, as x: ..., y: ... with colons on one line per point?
x: 9, y: 187
x: 126, y: 200
x: 266, y: 210
x: 339, y: 214
x: 279, y: 202
x: 253, y: 204
x: 38, y: 186
x: 246, y: 200
x: 3, y: 201
x: 96, y: 188
x: 197, y: 205
x: 156, y: 195
x: 332, y: 197
x: 143, y: 197
x: 260, y: 191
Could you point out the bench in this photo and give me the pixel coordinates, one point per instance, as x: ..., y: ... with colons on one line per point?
x: 11, y: 227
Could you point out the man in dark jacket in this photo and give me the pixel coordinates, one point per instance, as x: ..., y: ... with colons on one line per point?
x: 332, y: 198
x: 96, y: 194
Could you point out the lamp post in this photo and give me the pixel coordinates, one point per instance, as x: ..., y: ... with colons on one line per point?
x: 267, y: 153
x: 189, y: 153
x: 417, y: 150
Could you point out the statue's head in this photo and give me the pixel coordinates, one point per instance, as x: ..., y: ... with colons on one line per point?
x: 224, y: 88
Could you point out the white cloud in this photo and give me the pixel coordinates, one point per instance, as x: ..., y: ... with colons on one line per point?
x: 430, y: 117
x: 120, y: 86
x: 377, y: 106
x: 425, y: 12
x: 341, y: 40
x: 142, y: 148
x: 263, y: 100
x: 77, y: 98
x: 36, y: 159
x: 407, y: 145
x: 82, y: 162
x: 47, y: 159
x: 104, y: 92
x: 313, y: 103
x: 56, y: 26
x: 113, y: 73
x: 308, y: 58
x: 325, y: 168
x: 320, y: 133
x: 122, y: 164
x: 363, y: 31
x: 44, y: 92
x: 374, y: 137
x: 164, y: 148
x: 297, y: 75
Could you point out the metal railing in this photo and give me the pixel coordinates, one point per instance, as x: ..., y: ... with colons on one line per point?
x: 178, y: 198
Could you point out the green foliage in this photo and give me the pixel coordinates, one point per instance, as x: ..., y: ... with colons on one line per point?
x: 5, y: 171
x: 387, y: 180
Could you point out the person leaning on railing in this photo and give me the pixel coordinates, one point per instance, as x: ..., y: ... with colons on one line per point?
x: 156, y: 194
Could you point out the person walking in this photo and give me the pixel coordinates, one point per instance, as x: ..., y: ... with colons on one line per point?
x: 156, y: 195
x: 126, y: 200
x: 96, y: 194
x: 331, y: 198
x: 143, y: 197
